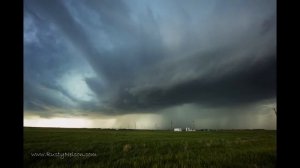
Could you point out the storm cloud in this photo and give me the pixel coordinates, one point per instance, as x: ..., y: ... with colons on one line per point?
x: 135, y: 57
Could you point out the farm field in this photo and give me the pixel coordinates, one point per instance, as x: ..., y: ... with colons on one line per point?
x: 70, y: 147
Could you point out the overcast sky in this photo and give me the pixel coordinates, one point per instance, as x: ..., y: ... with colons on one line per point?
x: 138, y: 63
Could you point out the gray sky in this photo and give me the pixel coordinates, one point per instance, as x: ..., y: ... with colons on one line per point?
x: 117, y: 63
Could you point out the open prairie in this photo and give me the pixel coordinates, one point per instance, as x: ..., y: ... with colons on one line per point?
x: 66, y: 147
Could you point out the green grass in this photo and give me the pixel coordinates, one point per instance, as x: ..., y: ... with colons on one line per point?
x: 131, y: 148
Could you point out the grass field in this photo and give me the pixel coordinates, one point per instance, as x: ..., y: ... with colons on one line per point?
x: 133, y: 148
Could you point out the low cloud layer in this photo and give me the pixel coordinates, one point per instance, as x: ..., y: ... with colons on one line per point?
x: 119, y: 58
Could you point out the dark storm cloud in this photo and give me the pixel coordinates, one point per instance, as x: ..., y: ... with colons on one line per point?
x: 247, y: 84
x: 41, y: 98
x: 147, y: 56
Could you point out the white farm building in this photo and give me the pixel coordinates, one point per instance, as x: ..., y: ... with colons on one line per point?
x: 177, y: 129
